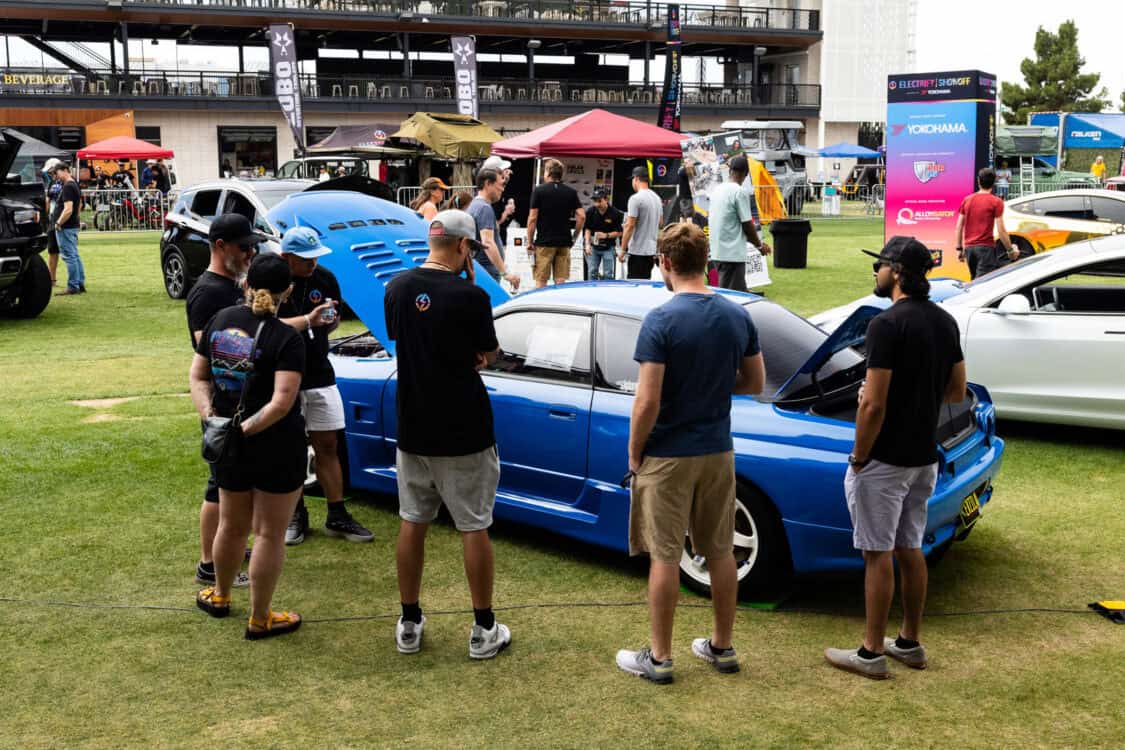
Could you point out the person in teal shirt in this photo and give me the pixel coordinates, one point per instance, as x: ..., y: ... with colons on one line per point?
x: 731, y: 225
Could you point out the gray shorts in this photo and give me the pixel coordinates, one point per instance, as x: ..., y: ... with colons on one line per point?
x: 466, y: 484
x: 888, y: 505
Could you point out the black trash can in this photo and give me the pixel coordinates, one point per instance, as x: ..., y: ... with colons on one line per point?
x: 790, y: 242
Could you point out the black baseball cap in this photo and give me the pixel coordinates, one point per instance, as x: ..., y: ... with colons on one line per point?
x: 234, y: 228
x: 740, y: 165
x: 641, y: 173
x: 269, y: 271
x: 908, y: 252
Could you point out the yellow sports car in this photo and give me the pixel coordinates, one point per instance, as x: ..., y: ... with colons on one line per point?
x: 1042, y: 222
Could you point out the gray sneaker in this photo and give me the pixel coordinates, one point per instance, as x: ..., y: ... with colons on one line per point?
x: 486, y: 644
x: 849, y: 660
x: 241, y: 581
x: 641, y: 664
x: 408, y: 635
x: 726, y: 661
x: 915, y: 658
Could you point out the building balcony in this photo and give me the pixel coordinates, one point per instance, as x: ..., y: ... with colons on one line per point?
x: 254, y: 91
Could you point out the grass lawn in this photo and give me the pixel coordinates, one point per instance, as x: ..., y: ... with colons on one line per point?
x: 100, y: 505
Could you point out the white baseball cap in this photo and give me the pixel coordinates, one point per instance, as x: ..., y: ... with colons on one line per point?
x: 455, y: 223
x: 53, y: 164
x: 495, y: 162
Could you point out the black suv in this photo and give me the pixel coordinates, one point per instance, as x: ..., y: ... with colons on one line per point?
x: 25, y: 282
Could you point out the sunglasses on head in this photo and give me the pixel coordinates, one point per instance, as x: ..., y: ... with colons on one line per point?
x: 251, y: 247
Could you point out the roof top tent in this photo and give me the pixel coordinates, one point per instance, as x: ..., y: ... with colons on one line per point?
x: 1026, y: 143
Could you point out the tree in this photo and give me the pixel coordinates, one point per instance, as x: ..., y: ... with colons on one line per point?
x: 1054, y: 78
x: 1123, y: 101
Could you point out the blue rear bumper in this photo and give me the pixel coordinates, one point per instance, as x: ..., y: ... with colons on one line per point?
x: 821, y: 549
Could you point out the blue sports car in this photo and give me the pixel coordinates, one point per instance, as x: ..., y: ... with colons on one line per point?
x: 562, y: 391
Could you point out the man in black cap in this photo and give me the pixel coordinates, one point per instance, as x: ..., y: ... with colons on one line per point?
x: 604, y: 225
x: 914, y: 365
x: 642, y: 223
x: 731, y: 225
x: 233, y: 245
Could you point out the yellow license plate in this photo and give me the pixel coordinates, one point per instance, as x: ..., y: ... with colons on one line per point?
x: 970, y: 511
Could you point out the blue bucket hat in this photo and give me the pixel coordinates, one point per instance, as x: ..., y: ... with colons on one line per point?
x: 303, y: 242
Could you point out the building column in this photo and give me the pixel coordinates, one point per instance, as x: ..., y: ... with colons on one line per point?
x: 124, y: 29
x: 407, y: 68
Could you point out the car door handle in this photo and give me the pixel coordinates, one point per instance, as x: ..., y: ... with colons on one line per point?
x: 557, y: 413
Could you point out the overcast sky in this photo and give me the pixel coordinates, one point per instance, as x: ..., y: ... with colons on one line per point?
x: 996, y: 35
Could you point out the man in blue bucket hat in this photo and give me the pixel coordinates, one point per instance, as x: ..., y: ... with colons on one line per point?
x: 311, y: 309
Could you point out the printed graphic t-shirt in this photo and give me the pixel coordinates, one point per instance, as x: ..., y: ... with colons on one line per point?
x: 701, y: 340
x: 227, y: 342
x: 308, y: 294
x: 919, y: 343
x: 440, y: 323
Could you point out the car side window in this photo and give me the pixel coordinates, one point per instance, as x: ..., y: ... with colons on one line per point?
x: 1064, y: 207
x: 1109, y: 210
x: 545, y: 346
x: 237, y: 203
x: 615, y: 343
x: 206, y: 203
x: 1094, y: 288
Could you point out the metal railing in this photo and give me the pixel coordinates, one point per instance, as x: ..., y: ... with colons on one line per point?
x: 404, y: 195
x: 124, y: 209
x: 609, y: 12
x: 212, y: 85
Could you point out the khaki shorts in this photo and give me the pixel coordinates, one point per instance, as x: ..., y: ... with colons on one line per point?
x: 548, y: 259
x: 466, y: 485
x: 675, y: 496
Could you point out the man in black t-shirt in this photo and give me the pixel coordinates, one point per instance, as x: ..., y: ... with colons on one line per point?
x: 233, y: 244
x: 65, y: 224
x: 311, y: 309
x: 604, y: 225
x: 442, y: 326
x: 914, y: 365
x: 553, y: 204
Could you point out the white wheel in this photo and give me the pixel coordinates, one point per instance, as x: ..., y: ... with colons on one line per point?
x: 746, y: 546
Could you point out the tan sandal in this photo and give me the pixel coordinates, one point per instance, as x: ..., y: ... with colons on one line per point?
x: 278, y: 623
x: 211, y: 603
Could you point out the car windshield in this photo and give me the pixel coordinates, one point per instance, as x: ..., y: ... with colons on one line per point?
x: 271, y: 198
x: 1004, y: 270
x: 787, y: 342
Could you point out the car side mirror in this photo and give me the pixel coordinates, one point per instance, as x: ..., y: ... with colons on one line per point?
x: 1014, y: 304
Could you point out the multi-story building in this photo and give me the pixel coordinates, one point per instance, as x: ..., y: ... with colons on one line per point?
x: 539, y: 60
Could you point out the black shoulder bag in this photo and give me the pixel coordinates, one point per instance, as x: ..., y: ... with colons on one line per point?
x: 222, y: 436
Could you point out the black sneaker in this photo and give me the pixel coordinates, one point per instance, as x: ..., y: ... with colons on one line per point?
x: 343, y: 525
x: 298, y: 526
x: 207, y: 577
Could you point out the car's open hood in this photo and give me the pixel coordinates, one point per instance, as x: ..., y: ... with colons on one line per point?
x: 940, y: 290
x: 358, y: 183
x: 372, y: 241
x: 850, y: 333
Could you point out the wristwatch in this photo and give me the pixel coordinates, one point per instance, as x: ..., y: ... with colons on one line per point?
x: 855, y: 462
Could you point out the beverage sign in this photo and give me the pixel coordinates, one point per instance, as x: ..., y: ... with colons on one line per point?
x: 286, y: 82
x: 940, y: 132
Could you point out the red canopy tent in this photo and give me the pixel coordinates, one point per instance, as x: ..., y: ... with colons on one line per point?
x: 596, y: 133
x: 124, y: 147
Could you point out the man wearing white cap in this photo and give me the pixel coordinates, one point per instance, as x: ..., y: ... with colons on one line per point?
x: 311, y: 309
x: 505, y: 207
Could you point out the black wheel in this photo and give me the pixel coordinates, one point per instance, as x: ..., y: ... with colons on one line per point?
x: 1025, y: 248
x: 796, y: 202
x: 35, y: 288
x: 761, y: 551
x: 101, y: 221
x: 175, y: 274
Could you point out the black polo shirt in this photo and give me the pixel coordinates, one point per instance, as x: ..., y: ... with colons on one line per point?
x: 613, y: 220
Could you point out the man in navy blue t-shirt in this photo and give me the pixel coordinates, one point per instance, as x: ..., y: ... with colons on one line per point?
x: 695, y: 351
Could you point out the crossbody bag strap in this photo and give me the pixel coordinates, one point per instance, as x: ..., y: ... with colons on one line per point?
x: 249, y: 373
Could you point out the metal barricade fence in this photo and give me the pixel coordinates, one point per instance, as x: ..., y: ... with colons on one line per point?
x: 124, y: 209
x: 405, y: 195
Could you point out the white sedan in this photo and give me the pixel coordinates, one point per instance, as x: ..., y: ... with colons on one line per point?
x: 1045, y: 335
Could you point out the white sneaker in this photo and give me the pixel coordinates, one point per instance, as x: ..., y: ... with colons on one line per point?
x: 408, y: 635
x: 486, y: 644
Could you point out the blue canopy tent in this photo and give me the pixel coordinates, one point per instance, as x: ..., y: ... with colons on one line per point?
x: 848, y: 151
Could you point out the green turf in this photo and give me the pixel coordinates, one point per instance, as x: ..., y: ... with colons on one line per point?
x: 100, y: 505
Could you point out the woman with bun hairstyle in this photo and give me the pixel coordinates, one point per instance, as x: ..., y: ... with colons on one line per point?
x: 259, y: 491
x: 431, y: 196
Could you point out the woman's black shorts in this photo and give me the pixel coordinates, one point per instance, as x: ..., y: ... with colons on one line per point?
x: 270, y: 463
